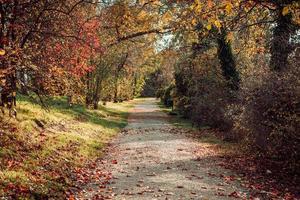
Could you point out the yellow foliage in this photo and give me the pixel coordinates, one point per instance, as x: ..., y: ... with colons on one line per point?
x: 294, y: 10
x: 2, y: 52
x: 208, y: 27
x: 228, y: 8
x: 285, y: 11
x: 198, y: 7
x: 167, y: 16
x: 194, y: 22
x: 217, y: 23
x: 192, y: 37
x: 229, y: 37
x: 142, y: 15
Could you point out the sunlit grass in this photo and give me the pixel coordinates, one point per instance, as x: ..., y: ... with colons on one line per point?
x: 70, y: 137
x: 14, y: 176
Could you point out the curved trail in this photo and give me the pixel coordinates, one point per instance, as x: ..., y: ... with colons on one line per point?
x: 151, y: 161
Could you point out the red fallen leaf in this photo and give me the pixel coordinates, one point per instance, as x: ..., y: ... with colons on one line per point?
x: 228, y: 178
x: 220, y: 194
x: 13, y: 129
x: 71, y: 197
x: 274, y: 192
x: 23, y: 189
x: 10, y: 163
x: 114, y: 162
x: 234, y: 194
x: 9, y: 187
x: 211, y: 174
x: 42, y: 134
x: 289, y: 196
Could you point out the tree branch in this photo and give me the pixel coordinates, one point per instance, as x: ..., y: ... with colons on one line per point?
x: 142, y: 33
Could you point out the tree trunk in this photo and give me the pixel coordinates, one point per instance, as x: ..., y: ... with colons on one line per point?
x: 96, y: 96
x: 134, y: 85
x: 23, y: 80
x: 96, y: 104
x: 116, y: 92
x: 227, y: 61
x: 117, y: 76
x: 70, y: 100
x: 88, y: 100
x: 281, y: 46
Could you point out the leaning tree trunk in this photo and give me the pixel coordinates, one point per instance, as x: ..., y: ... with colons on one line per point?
x: 281, y: 46
x: 116, y: 99
x: 227, y: 61
x: 23, y: 82
x: 117, y: 76
x: 134, y: 85
x: 88, y: 98
x: 96, y: 97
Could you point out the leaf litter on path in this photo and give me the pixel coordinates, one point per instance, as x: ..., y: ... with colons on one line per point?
x: 151, y: 159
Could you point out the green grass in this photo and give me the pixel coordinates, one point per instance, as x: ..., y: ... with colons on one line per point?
x: 176, y: 119
x: 206, y: 134
x: 71, y: 136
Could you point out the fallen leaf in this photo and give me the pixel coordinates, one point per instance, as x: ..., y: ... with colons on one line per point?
x: 114, y: 162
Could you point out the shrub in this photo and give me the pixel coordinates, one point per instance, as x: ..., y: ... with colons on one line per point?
x: 270, y: 115
x: 159, y: 93
x: 209, y: 108
x: 167, y: 97
x: 184, y: 106
x: 202, y: 93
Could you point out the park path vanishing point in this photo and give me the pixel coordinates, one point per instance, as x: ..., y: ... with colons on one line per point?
x: 149, y: 160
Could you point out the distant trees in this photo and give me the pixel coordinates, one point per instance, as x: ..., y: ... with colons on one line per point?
x: 70, y: 48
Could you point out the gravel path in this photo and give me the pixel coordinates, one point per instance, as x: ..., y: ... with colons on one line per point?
x: 150, y: 160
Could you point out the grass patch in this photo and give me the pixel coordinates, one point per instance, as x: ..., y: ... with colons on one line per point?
x: 176, y: 119
x: 39, y: 149
x: 203, y: 133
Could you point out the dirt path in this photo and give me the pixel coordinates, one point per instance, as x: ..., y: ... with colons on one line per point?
x: 149, y: 161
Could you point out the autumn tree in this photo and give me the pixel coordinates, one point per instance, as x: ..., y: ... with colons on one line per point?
x: 128, y: 39
x: 41, y: 40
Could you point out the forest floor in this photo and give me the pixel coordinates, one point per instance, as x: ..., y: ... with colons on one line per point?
x: 153, y: 159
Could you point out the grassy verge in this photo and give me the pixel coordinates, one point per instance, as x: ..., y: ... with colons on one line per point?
x: 39, y: 149
x: 176, y: 119
x: 203, y: 133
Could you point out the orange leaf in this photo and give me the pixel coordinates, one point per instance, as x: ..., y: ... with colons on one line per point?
x: 285, y: 11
